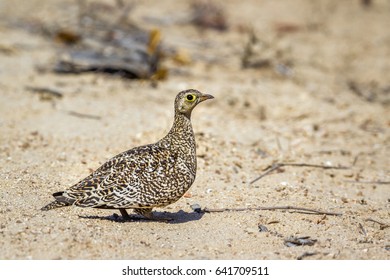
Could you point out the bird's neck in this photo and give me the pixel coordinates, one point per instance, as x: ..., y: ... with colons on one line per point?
x: 181, y: 140
x: 181, y: 129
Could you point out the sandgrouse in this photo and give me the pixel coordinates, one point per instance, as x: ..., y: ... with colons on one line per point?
x: 144, y: 177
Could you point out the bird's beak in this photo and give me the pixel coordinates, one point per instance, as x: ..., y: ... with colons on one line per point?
x: 205, y: 97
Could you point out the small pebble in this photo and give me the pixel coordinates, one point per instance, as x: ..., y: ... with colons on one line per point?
x: 328, y: 163
x: 262, y: 228
x: 196, y: 207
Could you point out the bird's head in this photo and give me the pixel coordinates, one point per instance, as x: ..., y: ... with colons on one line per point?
x: 187, y: 100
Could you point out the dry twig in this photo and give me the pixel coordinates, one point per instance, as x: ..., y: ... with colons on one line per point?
x: 84, y: 116
x: 362, y: 230
x: 307, y: 254
x: 368, y: 182
x: 382, y: 225
x: 45, y: 93
x: 276, y: 166
x: 298, y: 209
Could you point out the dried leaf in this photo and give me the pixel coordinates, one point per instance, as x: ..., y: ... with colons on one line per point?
x: 299, y: 241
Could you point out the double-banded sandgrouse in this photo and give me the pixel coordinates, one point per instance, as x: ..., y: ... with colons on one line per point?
x: 144, y: 177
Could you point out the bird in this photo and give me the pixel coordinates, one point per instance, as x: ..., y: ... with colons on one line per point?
x: 144, y: 177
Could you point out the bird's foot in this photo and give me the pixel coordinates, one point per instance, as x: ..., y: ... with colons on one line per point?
x: 125, y: 216
x: 148, y: 214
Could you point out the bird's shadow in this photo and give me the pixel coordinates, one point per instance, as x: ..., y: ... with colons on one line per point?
x: 178, y: 217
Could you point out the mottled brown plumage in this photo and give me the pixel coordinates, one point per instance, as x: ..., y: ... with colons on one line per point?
x: 144, y: 177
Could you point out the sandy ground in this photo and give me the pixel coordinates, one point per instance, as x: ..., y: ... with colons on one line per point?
x: 260, y: 116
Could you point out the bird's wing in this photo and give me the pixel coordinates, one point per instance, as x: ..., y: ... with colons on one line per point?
x: 119, y: 180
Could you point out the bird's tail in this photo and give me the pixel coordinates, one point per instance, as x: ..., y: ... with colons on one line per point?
x: 60, y: 201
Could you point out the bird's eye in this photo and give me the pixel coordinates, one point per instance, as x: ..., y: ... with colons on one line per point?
x: 191, y: 97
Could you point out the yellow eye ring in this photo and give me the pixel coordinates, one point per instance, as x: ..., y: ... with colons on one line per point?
x: 191, y: 97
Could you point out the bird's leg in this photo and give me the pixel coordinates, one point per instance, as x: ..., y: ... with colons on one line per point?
x: 124, y: 214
